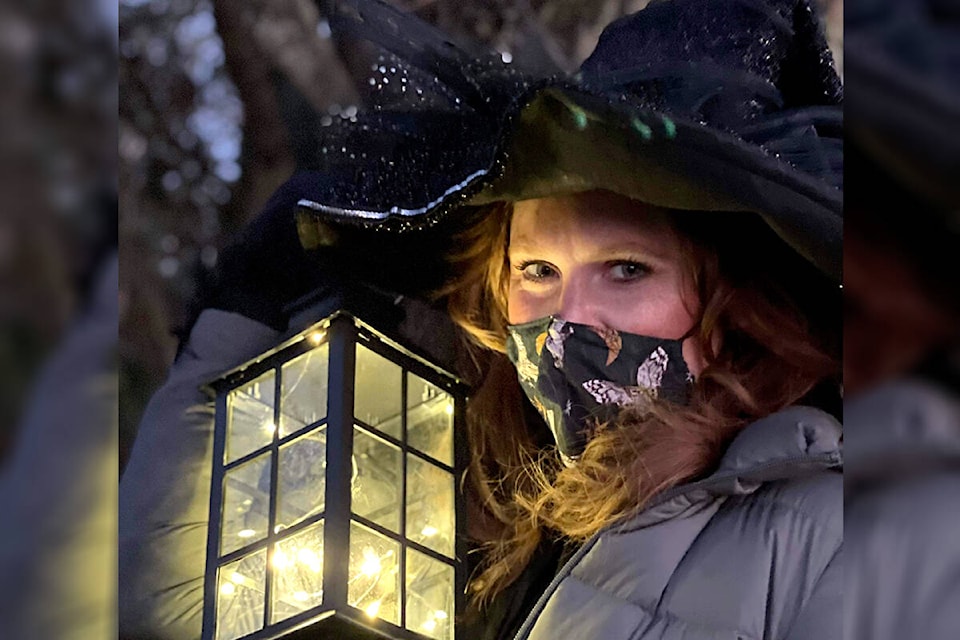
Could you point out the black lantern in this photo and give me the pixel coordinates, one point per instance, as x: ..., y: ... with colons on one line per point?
x: 334, y: 511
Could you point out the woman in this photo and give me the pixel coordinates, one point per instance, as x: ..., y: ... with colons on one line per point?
x: 649, y: 251
x: 582, y: 293
x: 652, y: 267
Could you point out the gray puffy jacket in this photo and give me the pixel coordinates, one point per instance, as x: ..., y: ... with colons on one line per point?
x: 750, y: 552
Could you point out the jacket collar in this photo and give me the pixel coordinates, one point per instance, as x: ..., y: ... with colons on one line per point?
x: 796, y: 442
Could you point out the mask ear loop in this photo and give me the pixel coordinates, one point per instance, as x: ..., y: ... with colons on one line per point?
x: 689, y: 334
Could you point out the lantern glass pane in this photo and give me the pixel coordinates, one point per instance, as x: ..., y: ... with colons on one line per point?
x: 250, y: 423
x: 374, y: 582
x: 375, y: 489
x: 302, y: 478
x: 377, y: 392
x: 297, y: 566
x: 430, y: 506
x: 246, y: 504
x: 430, y: 592
x: 240, y: 596
x: 303, y: 398
x: 429, y: 419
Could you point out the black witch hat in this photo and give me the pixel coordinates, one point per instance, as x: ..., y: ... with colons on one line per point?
x: 707, y: 105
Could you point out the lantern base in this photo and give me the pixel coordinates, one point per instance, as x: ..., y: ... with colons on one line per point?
x: 344, y: 626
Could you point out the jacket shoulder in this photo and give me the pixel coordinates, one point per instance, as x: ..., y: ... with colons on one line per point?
x: 816, y: 499
x: 737, y: 566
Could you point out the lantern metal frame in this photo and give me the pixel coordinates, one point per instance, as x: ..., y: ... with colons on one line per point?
x: 333, y: 617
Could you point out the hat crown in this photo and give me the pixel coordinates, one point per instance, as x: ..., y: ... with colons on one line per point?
x: 725, y: 63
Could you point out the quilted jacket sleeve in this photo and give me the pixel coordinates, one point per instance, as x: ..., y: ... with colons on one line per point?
x: 165, y: 489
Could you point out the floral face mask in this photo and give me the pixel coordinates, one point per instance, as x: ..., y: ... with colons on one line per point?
x: 577, y: 375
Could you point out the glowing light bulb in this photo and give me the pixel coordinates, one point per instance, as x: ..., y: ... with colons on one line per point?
x: 317, y: 337
x: 370, y: 566
x: 246, y: 533
x: 373, y: 609
x: 429, y: 625
x: 302, y: 596
x: 440, y: 614
x: 449, y: 409
x: 310, y: 559
x: 236, y: 578
x: 228, y: 589
x: 429, y: 531
x: 306, y: 556
x: 269, y: 426
x: 280, y: 560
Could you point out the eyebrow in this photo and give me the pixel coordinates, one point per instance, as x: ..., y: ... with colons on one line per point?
x: 531, y: 244
x: 525, y: 242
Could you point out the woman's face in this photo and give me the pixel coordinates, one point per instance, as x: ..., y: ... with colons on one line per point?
x: 600, y: 259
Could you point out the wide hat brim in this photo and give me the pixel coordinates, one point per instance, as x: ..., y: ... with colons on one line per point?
x: 567, y: 141
x: 558, y: 136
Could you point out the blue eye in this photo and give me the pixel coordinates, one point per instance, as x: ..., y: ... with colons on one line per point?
x: 536, y: 271
x: 628, y: 270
